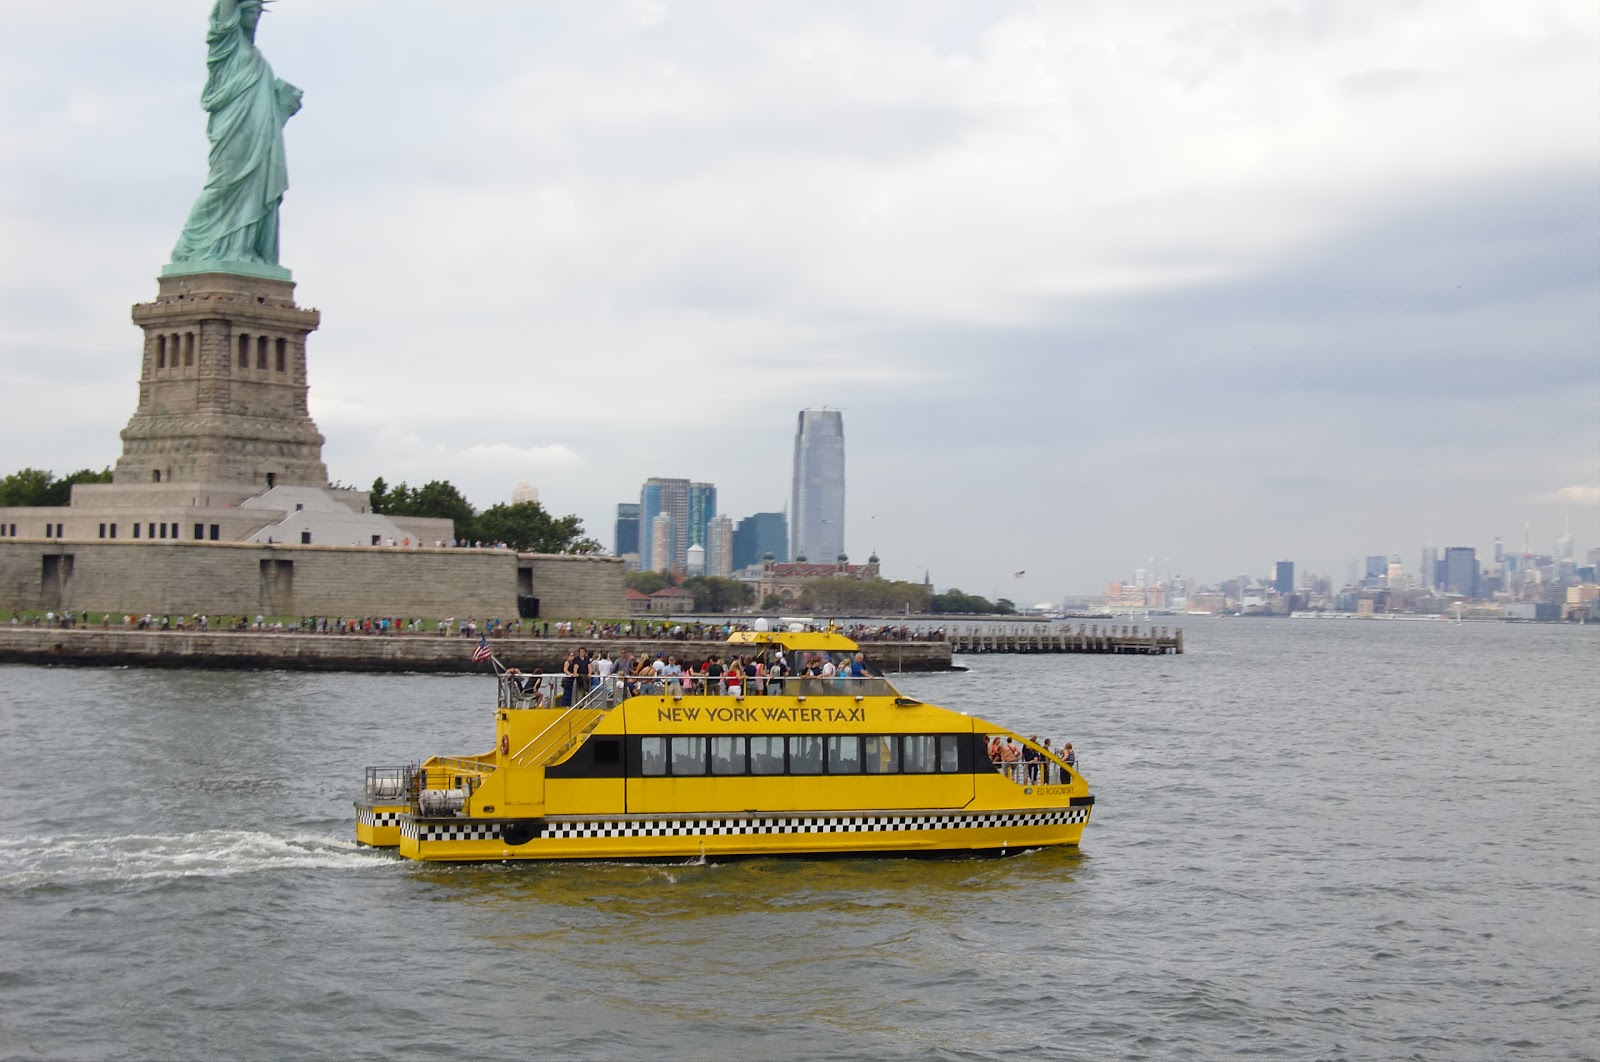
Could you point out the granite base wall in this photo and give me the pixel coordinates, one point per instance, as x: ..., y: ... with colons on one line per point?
x: 222, y: 578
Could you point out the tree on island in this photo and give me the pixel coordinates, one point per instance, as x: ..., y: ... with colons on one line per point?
x: 955, y: 602
x: 863, y: 596
x: 526, y: 526
x: 648, y: 582
x: 713, y: 593
x: 36, y: 487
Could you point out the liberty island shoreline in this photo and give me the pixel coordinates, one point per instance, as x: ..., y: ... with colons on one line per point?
x: 429, y: 653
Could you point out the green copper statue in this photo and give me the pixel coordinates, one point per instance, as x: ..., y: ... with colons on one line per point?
x: 233, y: 227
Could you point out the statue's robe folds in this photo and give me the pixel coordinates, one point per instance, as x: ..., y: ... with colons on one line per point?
x: 236, y: 216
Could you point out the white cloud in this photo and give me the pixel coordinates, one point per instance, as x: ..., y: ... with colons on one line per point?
x: 1574, y: 495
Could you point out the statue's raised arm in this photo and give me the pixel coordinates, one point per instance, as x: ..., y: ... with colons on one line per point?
x: 233, y: 226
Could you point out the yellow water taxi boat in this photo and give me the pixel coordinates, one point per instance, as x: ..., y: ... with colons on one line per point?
x: 799, y: 758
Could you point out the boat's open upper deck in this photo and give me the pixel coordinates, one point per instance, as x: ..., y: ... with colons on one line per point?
x: 758, y: 663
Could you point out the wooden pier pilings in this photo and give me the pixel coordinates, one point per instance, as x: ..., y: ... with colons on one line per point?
x: 1155, y: 641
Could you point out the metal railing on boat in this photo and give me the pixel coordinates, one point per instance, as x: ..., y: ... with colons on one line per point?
x: 548, y: 691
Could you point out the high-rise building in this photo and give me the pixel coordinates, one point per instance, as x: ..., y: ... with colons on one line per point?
x: 719, y: 546
x: 1430, y: 564
x: 702, y: 507
x: 1461, y: 570
x: 523, y: 493
x: 687, y: 507
x: 670, y: 498
x: 816, y: 507
x: 1377, y: 568
x: 758, y: 535
x: 627, y: 540
x: 1283, y: 578
x: 660, y: 545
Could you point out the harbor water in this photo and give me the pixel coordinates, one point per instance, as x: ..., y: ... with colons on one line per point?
x: 1311, y: 840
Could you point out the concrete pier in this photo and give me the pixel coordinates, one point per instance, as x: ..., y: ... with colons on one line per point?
x: 268, y: 651
x: 1095, y: 638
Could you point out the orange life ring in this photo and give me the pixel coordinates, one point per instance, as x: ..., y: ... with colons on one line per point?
x: 505, y: 743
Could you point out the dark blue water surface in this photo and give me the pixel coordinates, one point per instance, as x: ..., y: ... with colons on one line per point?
x: 1313, y: 840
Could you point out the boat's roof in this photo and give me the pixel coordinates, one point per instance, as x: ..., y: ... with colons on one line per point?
x: 800, y: 641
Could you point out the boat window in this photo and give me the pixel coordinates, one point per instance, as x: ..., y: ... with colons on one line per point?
x: 766, y: 755
x: 688, y: 755
x: 880, y: 754
x: 844, y: 755
x: 805, y: 755
x: 653, y: 755
x: 950, y: 752
x: 727, y: 755
x: 919, y: 753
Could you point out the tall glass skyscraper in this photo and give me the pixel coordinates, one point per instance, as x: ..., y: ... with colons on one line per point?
x: 670, y: 497
x: 816, y: 507
x: 702, y: 507
x: 758, y: 535
x: 627, y: 528
x: 687, y: 506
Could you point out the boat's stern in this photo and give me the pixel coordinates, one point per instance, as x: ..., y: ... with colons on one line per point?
x: 382, y: 805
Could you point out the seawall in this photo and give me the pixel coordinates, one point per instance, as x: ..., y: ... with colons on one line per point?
x: 263, y: 651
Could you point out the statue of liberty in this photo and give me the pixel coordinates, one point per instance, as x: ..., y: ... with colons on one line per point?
x: 233, y: 227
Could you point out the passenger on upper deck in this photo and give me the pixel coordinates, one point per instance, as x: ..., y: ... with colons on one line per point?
x: 567, y: 679
x: 1009, y: 756
x: 1030, y: 762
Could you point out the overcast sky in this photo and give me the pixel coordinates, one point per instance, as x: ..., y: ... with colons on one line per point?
x: 1225, y: 282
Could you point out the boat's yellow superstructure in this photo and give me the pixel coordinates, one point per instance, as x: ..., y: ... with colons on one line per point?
x: 661, y: 767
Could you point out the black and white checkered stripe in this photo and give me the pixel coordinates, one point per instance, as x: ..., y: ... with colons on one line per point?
x: 451, y: 831
x: 724, y: 827
x: 732, y: 827
x: 369, y: 817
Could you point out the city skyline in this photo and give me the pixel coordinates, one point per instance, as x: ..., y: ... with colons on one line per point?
x: 1213, y: 297
x: 1453, y: 569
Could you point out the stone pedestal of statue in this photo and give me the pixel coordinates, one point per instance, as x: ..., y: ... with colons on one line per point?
x: 222, y: 390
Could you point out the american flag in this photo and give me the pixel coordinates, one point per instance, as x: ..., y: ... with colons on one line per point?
x: 481, y: 651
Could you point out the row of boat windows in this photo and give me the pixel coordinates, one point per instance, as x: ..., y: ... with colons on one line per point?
x: 693, y: 756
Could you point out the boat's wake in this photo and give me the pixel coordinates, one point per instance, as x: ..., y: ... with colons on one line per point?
x: 29, y: 862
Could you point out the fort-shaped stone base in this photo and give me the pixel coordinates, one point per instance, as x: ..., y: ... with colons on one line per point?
x: 222, y: 386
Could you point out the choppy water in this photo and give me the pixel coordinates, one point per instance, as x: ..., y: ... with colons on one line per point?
x: 1312, y: 841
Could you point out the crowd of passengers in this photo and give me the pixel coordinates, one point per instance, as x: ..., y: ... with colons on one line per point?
x: 626, y: 675
x: 699, y: 632
x: 1026, y: 764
